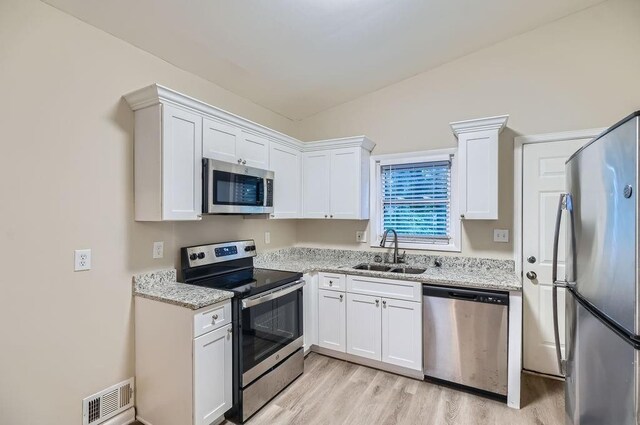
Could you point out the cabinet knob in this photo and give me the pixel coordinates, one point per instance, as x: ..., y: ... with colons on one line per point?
x: 377, y: 303
x: 230, y: 330
x: 461, y: 215
x: 244, y: 161
x: 341, y: 297
x: 214, y: 317
x: 239, y: 160
x: 331, y: 283
x: 331, y: 216
x: 384, y: 304
x: 325, y: 216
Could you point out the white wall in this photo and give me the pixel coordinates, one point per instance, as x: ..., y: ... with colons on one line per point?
x: 575, y: 73
x: 66, y: 182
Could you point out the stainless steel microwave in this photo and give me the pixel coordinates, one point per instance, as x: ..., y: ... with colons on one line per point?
x: 236, y: 189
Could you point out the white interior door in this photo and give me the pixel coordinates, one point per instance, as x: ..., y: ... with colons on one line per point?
x: 543, y: 179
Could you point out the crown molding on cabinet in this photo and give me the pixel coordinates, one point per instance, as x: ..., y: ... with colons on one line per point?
x: 156, y: 93
x: 344, y: 142
x: 491, y: 123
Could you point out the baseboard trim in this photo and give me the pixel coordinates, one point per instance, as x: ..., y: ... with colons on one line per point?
x: 398, y: 370
x: 124, y: 418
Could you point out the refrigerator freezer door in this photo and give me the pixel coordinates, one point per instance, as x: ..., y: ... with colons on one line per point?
x: 604, y: 223
x: 599, y: 386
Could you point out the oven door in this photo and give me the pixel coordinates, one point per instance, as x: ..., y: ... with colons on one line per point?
x: 271, y: 329
x: 236, y: 189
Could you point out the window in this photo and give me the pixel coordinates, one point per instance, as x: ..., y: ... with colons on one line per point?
x: 414, y: 194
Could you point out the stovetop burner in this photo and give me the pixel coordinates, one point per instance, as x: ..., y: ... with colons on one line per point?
x: 248, y: 282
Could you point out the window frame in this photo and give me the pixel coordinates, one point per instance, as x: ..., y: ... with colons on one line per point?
x: 375, y: 203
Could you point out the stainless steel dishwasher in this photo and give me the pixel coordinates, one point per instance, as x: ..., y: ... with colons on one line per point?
x: 465, y: 337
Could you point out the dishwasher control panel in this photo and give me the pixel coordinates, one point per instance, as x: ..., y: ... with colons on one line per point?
x: 492, y: 299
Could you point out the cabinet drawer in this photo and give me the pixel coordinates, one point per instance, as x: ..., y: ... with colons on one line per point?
x: 332, y: 281
x: 388, y: 288
x: 210, y: 318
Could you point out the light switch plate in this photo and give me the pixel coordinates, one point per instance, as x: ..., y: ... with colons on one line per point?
x: 82, y: 260
x: 501, y: 235
x: 158, y: 249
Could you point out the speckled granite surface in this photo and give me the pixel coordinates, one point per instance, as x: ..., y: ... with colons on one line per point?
x: 162, y: 286
x: 454, y: 271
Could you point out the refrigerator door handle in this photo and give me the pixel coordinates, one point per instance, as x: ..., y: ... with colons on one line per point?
x: 562, y: 204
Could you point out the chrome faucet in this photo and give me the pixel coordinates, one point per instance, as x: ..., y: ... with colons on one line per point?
x: 396, y: 258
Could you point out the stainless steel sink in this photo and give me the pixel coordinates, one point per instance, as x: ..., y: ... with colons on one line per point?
x: 407, y: 270
x: 373, y: 267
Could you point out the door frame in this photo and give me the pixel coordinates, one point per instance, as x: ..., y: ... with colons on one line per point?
x: 518, y: 157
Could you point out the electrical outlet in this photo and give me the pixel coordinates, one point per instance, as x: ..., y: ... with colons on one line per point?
x: 267, y: 237
x: 82, y: 259
x: 361, y: 237
x: 158, y: 249
x: 501, y: 235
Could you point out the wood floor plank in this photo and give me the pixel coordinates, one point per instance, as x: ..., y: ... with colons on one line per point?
x: 334, y: 392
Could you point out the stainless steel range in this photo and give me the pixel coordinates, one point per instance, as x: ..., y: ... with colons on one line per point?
x: 267, y: 320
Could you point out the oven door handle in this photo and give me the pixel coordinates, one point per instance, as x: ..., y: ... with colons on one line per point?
x: 280, y: 292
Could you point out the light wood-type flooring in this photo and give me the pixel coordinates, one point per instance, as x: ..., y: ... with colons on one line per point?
x: 335, y: 392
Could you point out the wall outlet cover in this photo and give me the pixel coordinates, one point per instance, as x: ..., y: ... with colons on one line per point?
x: 501, y: 235
x: 361, y: 236
x: 267, y: 237
x: 158, y: 249
x: 82, y: 260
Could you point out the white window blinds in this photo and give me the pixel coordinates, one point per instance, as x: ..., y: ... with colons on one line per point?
x: 416, y: 201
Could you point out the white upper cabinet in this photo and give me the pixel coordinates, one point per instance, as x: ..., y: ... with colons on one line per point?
x: 253, y: 150
x: 167, y: 170
x: 316, y: 190
x: 336, y: 179
x: 219, y: 140
x: 478, y: 142
x: 286, y: 163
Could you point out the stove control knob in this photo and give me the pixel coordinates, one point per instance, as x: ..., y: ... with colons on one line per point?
x: 201, y: 255
x: 247, y: 248
x: 193, y: 257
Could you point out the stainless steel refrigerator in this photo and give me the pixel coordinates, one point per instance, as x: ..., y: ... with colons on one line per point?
x: 602, y: 319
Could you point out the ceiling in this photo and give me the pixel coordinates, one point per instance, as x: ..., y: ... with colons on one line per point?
x: 299, y: 57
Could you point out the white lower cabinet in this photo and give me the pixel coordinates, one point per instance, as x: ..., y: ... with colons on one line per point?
x: 363, y: 326
x: 183, y: 363
x: 332, y: 320
x: 212, y: 368
x: 386, y: 329
x: 402, y: 333
x: 310, y: 311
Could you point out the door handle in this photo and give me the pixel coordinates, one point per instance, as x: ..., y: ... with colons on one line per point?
x: 562, y: 204
x: 531, y: 275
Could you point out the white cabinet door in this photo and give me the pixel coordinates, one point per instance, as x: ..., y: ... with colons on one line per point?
x: 219, y: 140
x: 331, y: 320
x: 316, y: 188
x: 286, y: 163
x: 345, y: 183
x: 181, y: 164
x: 310, y: 310
x: 363, y: 326
x: 402, y: 333
x: 253, y: 150
x: 212, y: 375
x: 478, y: 168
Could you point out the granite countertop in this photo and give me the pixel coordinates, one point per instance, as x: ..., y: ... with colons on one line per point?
x: 454, y: 271
x: 162, y: 286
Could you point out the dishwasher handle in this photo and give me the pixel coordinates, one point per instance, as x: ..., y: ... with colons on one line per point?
x: 464, y: 294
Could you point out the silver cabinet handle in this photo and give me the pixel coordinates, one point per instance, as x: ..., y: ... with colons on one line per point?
x: 377, y: 303
x: 384, y: 304
x: 341, y: 297
x: 214, y: 317
x: 239, y: 160
x: 244, y: 161
x: 331, y: 283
